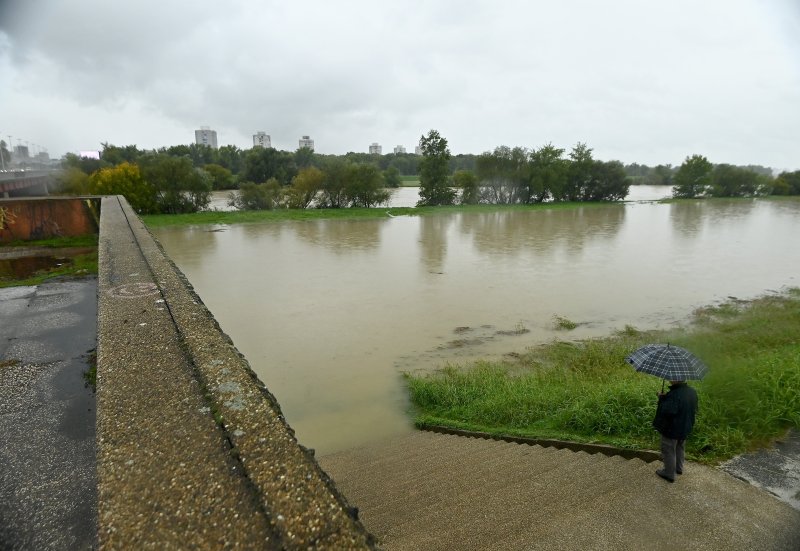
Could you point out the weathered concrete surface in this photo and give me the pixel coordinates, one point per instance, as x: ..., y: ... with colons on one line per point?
x: 441, y: 492
x: 169, y: 474
x: 42, y: 218
x: 776, y: 469
x: 47, y: 416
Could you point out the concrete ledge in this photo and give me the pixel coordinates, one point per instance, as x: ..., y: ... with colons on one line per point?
x: 193, y: 450
x: 644, y: 455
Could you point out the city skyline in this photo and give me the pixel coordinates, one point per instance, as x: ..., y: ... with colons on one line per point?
x: 635, y: 81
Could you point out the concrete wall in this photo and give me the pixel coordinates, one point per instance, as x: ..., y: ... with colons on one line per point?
x: 43, y: 218
x: 193, y: 451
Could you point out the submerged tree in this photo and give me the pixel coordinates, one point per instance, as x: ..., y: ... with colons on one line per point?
x: 364, y: 187
x: 434, y: 171
x: 692, y: 178
x: 467, y: 182
x: 266, y: 196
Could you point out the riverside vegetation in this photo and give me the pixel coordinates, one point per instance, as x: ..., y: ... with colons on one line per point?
x: 585, y: 391
x: 179, y: 179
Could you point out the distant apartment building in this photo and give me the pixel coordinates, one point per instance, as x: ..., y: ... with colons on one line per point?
x: 262, y: 139
x: 417, y: 150
x: 206, y: 136
x: 375, y: 148
x: 306, y: 141
x: 399, y: 149
x: 21, y: 152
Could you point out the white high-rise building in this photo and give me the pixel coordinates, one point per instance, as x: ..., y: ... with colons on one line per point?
x: 262, y: 139
x: 306, y: 141
x: 206, y: 136
x: 399, y: 149
x: 417, y: 150
x: 375, y: 148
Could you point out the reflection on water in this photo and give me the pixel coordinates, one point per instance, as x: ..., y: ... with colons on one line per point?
x: 329, y: 313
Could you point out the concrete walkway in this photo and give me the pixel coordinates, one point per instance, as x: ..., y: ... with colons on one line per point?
x: 192, y: 450
x: 431, y: 491
x: 47, y: 416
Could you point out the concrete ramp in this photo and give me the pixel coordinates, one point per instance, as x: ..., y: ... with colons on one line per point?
x: 432, y: 491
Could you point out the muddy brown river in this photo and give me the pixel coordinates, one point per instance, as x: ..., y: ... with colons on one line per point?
x: 330, y: 313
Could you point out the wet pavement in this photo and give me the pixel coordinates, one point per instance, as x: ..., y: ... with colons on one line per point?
x: 775, y: 469
x: 47, y: 416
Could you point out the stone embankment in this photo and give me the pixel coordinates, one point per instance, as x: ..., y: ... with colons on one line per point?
x: 193, y: 451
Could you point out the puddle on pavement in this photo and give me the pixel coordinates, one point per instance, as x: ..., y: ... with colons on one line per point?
x: 20, y: 268
x: 37, y: 261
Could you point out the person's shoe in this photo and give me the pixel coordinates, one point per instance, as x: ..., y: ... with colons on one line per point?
x: 663, y: 474
x: 678, y: 471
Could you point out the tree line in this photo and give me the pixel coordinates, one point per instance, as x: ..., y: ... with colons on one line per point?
x: 698, y: 177
x: 180, y: 178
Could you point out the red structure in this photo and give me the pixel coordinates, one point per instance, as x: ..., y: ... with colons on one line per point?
x: 43, y: 218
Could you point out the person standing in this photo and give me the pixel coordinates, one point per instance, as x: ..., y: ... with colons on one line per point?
x: 674, y: 419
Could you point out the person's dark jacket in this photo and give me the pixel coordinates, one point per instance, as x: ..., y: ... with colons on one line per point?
x: 676, y: 412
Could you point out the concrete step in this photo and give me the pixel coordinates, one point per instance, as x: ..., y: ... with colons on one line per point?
x: 435, y: 491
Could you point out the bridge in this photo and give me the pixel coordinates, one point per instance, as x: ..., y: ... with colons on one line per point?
x: 25, y: 183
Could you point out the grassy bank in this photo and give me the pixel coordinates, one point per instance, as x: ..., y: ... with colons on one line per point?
x: 253, y: 216
x: 586, y: 391
x: 73, y: 265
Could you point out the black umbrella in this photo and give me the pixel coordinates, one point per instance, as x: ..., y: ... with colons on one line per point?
x: 671, y: 363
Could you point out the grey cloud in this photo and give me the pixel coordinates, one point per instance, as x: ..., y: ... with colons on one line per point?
x: 637, y: 81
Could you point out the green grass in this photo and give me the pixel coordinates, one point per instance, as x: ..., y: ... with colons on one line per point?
x: 586, y: 392
x: 90, y: 375
x: 57, y: 242
x: 280, y: 215
x: 409, y: 181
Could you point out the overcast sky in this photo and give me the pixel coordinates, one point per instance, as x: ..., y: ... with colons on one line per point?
x: 638, y: 81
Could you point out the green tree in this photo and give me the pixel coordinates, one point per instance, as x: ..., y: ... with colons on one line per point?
x: 334, y: 186
x: 391, y: 177
x: 787, y: 183
x: 467, y: 182
x: 548, y: 173
x: 261, y: 164
x: 364, y: 186
x: 732, y: 181
x: 304, y: 157
x: 179, y: 186
x: 202, y: 154
x: 504, y: 175
x: 230, y: 157
x: 125, y: 179
x: 87, y: 165
x: 609, y: 182
x: 579, y: 174
x: 692, y: 178
x: 266, y: 196
x: 114, y: 155
x: 221, y: 177
x: 73, y: 181
x: 434, y: 171
x: 305, y: 187
x: 661, y: 175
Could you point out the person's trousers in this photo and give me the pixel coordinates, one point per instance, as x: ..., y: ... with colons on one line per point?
x: 672, y: 454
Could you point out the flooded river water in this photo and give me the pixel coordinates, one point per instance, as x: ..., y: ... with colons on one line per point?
x: 330, y: 313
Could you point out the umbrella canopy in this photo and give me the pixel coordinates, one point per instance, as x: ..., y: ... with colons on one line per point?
x: 669, y: 362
